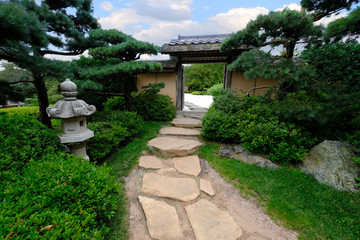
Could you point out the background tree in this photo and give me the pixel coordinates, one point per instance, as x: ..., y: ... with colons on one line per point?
x: 200, y: 77
x: 111, y: 69
x: 51, y: 27
x: 11, y: 75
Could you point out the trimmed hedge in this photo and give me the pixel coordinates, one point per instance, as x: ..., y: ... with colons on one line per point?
x: 155, y: 107
x: 24, y: 138
x: 111, y: 128
x: 150, y: 106
x: 61, y: 197
x: 215, y: 90
x: 251, y: 123
x: 23, y: 111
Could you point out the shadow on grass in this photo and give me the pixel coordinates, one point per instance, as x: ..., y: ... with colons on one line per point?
x: 122, y: 162
x: 292, y: 198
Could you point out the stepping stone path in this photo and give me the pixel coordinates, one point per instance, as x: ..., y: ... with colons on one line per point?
x: 178, y: 178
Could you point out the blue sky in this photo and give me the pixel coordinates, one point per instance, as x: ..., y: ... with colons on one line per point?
x: 159, y: 21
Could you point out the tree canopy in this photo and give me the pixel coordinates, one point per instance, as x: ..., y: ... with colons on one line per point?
x: 200, y: 77
x: 113, y: 64
x: 34, y: 29
x: 344, y: 28
x: 325, y: 8
x: 285, y: 28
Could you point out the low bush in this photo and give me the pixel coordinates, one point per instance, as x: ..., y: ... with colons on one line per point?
x: 111, y: 129
x: 149, y: 105
x: 198, y: 92
x: 24, y: 138
x: 154, y: 107
x: 114, y: 103
x: 23, y: 111
x: 215, y: 90
x: 251, y: 123
x: 61, y: 197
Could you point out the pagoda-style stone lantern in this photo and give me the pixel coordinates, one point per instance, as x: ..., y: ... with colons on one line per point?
x: 72, y: 113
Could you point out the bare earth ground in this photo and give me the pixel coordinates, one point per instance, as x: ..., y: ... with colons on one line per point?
x: 255, y: 224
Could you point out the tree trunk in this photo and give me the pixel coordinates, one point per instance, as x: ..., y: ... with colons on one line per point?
x: 42, y: 99
x: 290, y: 48
x: 129, y: 100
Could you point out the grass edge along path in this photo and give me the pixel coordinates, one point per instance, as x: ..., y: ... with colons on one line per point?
x: 292, y: 198
x: 122, y: 162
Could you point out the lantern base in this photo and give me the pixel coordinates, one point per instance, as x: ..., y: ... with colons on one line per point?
x: 78, y: 149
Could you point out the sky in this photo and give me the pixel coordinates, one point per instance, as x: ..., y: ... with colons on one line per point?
x: 159, y: 21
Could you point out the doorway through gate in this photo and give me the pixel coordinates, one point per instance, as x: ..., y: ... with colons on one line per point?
x: 198, y: 49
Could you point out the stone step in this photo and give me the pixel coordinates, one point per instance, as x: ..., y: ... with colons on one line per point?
x: 186, y: 122
x: 183, y: 189
x: 188, y: 165
x: 162, y: 219
x: 211, y: 223
x: 177, y: 131
x: 174, y: 146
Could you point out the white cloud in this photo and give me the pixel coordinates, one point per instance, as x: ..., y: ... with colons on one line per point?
x: 120, y: 19
x: 326, y: 20
x: 155, y: 30
x: 235, y: 19
x: 107, y: 6
x: 162, y: 32
x: 292, y: 6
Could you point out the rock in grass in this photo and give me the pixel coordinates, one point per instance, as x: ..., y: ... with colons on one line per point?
x: 331, y: 163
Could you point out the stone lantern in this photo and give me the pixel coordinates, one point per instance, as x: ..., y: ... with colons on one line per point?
x: 73, y: 113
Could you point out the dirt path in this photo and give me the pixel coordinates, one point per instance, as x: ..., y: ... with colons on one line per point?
x: 246, y: 214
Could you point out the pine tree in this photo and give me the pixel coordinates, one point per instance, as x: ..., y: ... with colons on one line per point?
x: 286, y: 28
x: 113, y: 64
x: 51, y: 27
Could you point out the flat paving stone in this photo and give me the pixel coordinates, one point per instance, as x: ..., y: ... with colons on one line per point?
x: 162, y: 219
x: 184, y: 189
x: 188, y: 165
x: 186, y: 122
x: 211, y: 223
x: 177, y: 131
x: 174, y: 146
x: 206, y: 187
x: 151, y: 162
x: 164, y: 171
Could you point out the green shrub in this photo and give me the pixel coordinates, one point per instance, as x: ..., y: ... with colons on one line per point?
x: 23, y: 111
x: 219, y: 126
x: 114, y: 103
x: 198, y: 92
x: 149, y: 105
x: 23, y: 138
x: 111, y: 129
x: 154, y: 107
x: 215, y: 90
x: 62, y: 197
x: 250, y: 122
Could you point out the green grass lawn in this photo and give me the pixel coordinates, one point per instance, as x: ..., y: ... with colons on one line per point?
x: 292, y: 198
x: 122, y: 162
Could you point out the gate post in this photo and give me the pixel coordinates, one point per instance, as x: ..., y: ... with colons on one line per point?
x: 227, y: 78
x: 180, y: 84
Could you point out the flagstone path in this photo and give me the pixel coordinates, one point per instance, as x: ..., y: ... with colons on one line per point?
x: 178, y: 196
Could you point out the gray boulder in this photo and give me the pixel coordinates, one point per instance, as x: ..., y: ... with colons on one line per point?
x: 331, y: 163
x: 239, y: 152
